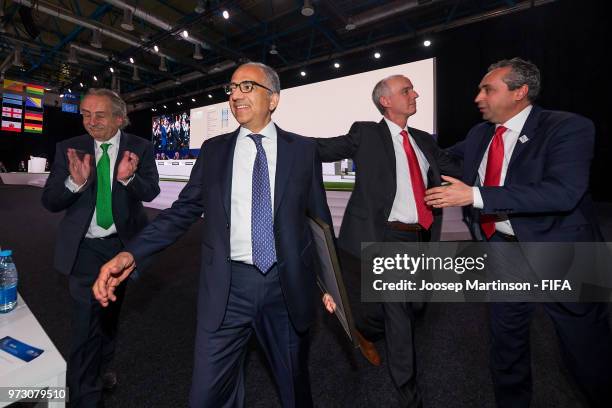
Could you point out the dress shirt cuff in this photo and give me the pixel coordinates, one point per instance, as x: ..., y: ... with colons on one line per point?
x: 128, y: 181
x: 478, y: 203
x: 72, y: 186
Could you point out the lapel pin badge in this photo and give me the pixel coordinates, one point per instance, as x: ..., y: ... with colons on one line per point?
x: 523, y: 139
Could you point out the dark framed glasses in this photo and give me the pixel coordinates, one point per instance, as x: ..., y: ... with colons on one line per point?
x: 245, y: 87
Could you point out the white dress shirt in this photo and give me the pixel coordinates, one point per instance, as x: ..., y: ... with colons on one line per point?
x: 96, y: 231
x: 404, y: 207
x: 510, y: 137
x: 242, y: 188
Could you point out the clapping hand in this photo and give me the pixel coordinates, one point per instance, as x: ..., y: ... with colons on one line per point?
x: 127, y: 166
x: 79, y: 167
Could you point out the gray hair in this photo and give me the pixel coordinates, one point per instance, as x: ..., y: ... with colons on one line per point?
x: 521, y: 73
x: 273, y: 82
x: 382, y: 89
x: 118, y: 106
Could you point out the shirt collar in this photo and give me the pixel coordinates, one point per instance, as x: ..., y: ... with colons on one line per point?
x: 268, y: 131
x: 393, y: 128
x: 517, y: 122
x: 114, y: 141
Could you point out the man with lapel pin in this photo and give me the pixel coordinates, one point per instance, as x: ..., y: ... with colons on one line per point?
x: 394, y: 164
x: 254, y: 187
x: 99, y: 180
x: 530, y: 172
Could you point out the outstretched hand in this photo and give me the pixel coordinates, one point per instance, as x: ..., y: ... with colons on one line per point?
x: 111, y: 275
x: 456, y: 194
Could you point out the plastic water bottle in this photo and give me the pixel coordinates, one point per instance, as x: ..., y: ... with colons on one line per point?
x: 8, y: 282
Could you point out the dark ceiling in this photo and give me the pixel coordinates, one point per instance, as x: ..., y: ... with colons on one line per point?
x: 53, y: 42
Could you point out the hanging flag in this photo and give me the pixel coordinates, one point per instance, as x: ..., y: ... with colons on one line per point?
x: 12, y: 99
x: 35, y: 89
x: 32, y: 102
x: 29, y: 115
x: 11, y: 112
x: 32, y: 127
x: 11, y: 126
x: 14, y: 86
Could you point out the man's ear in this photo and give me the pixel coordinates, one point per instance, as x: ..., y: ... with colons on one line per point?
x: 521, y: 93
x: 274, y: 98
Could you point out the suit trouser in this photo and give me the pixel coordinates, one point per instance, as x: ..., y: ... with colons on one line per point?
x: 392, y: 320
x: 256, y: 304
x: 586, y: 344
x: 94, y: 328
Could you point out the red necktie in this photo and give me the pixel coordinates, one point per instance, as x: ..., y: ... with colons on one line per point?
x: 418, y: 187
x: 495, y: 161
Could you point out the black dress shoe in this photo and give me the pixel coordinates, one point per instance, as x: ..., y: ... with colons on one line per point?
x: 109, y: 380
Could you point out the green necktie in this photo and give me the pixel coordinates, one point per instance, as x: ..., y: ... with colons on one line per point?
x: 104, y: 205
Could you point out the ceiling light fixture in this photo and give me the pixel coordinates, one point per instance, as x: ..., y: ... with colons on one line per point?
x: 225, y: 14
x: 308, y: 8
x: 127, y: 24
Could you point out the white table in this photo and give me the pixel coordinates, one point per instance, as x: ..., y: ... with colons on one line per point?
x: 46, y: 370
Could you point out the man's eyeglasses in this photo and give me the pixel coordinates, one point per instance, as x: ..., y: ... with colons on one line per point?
x: 245, y: 87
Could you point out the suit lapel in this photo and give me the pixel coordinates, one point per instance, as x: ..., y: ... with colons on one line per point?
x: 530, y: 131
x: 284, y: 159
x: 387, y: 142
x: 123, y: 146
x: 226, y: 156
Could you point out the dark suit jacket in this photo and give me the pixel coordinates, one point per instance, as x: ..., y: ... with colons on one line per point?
x: 298, y: 191
x: 370, y: 146
x: 128, y: 212
x: 546, y: 190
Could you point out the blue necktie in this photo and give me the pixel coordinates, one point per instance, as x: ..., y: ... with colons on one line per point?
x: 262, y: 231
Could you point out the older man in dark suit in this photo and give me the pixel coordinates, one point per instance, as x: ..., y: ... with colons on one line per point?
x: 394, y: 165
x: 255, y: 187
x: 526, y: 179
x: 99, y: 180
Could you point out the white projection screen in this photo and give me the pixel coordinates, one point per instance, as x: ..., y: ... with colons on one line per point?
x: 328, y: 108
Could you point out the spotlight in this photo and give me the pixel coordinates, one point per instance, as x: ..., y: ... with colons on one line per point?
x: 72, y: 56
x: 197, y: 53
x: 192, y: 99
x: 225, y: 14
x: 200, y: 7
x: 131, y: 60
x: 427, y: 43
x: 95, y: 78
x: 162, y: 65
x: 185, y: 34
x: 377, y: 55
x: 336, y: 65
x: 61, y: 95
x: 135, y: 76
x: 96, y: 40
x: 112, y: 70
x: 307, y: 9
x: 164, y: 106
x: 126, y: 24
x: 81, y: 84
x: 156, y: 48
x: 69, y: 90
x: 209, y: 96
x: 303, y: 73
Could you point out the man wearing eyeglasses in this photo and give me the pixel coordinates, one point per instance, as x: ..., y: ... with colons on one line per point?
x: 254, y: 187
